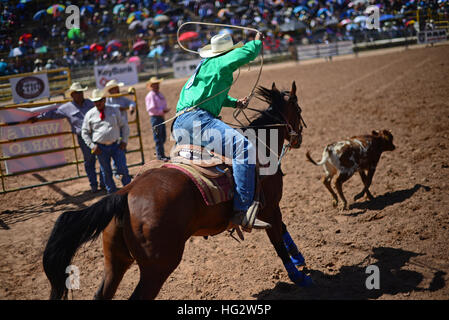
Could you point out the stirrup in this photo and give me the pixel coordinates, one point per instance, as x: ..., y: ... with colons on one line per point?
x: 248, y: 219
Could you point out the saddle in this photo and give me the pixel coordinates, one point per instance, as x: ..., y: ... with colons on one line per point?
x: 209, y: 171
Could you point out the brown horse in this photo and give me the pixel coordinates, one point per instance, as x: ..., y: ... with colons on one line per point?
x: 161, y: 209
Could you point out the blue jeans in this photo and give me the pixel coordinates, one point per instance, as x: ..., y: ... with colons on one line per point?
x: 113, y: 151
x: 200, y: 127
x: 159, y: 135
x: 89, y: 164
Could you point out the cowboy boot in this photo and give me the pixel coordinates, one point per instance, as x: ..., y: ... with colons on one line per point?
x: 247, y: 220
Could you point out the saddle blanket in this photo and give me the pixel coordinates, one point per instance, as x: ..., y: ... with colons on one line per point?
x: 214, y: 190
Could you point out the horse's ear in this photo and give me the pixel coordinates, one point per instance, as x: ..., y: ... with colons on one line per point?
x: 273, y: 86
x: 293, y: 91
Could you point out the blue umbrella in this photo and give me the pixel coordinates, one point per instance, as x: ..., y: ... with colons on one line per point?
x: 300, y: 8
x: 117, y: 8
x: 38, y: 15
x: 360, y: 19
x: 351, y: 26
x: 386, y: 17
x: 16, y: 52
x: 322, y: 11
x: 105, y: 30
x: 86, y: 47
x: 3, y: 66
x: 225, y: 31
x: 83, y: 10
x: 158, y: 50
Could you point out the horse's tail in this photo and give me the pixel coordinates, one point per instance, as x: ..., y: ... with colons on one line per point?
x: 71, y: 230
x: 323, y: 160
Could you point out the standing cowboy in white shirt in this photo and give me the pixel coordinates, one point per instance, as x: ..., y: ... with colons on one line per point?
x: 122, y: 103
x: 105, y: 132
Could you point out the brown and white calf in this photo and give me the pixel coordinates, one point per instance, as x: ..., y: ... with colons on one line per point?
x: 361, y: 153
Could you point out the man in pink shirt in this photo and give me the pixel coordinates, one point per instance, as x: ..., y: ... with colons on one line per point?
x: 157, y: 107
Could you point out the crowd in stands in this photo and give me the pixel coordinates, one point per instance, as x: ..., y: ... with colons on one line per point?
x: 115, y: 31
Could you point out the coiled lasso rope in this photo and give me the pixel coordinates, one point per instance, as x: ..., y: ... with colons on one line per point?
x: 250, y: 96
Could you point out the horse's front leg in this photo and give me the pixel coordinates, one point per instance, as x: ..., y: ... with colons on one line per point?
x: 295, y: 256
x: 275, y: 233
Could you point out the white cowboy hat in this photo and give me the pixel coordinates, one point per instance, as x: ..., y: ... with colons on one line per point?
x: 219, y: 44
x: 112, y: 84
x: 97, y: 95
x: 76, y: 86
x: 155, y: 80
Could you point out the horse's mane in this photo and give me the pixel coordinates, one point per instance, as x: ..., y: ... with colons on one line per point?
x: 274, y: 100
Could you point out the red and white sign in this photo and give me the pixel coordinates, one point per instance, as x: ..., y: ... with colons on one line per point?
x: 16, y: 148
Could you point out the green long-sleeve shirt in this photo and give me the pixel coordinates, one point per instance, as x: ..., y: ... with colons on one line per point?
x: 214, y: 76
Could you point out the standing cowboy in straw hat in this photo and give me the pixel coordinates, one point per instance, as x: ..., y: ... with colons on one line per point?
x: 122, y: 103
x: 207, y: 89
x: 113, y: 87
x: 75, y: 112
x: 157, y: 106
x: 105, y: 132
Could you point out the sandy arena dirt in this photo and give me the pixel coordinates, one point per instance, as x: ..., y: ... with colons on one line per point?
x: 403, y: 231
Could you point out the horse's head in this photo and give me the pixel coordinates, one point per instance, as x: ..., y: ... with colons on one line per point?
x: 284, y: 107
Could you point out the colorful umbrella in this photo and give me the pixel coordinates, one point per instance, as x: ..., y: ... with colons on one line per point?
x: 113, y: 45
x: 117, y: 8
x: 386, y: 17
x: 161, y: 18
x: 86, y: 47
x: 43, y: 49
x: 96, y: 47
x: 322, y: 11
x: 410, y: 22
x: 158, y: 50
x: 53, y: 9
x: 225, y: 31
x: 360, y: 19
x: 345, y: 22
x: 25, y: 37
x: 16, y: 52
x: 189, y: 35
x: 299, y: 9
x: 104, y: 30
x: 74, y: 33
x: 135, y: 60
x: 85, y: 9
x: 135, y: 24
x: 139, y: 45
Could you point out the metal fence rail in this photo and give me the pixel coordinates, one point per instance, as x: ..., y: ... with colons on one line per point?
x: 59, y: 81
x: 70, y: 145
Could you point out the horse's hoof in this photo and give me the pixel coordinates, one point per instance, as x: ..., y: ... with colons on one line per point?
x: 335, y: 204
x: 302, y: 280
x: 358, y: 196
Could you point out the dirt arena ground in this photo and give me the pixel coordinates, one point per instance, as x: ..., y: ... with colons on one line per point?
x: 403, y: 231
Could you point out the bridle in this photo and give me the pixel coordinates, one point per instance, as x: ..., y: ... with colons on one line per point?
x: 282, y: 120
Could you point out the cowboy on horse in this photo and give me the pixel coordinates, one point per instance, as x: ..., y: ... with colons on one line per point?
x: 207, y: 89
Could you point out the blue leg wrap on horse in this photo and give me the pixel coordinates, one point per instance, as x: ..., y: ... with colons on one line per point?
x: 292, y: 249
x: 298, y: 277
